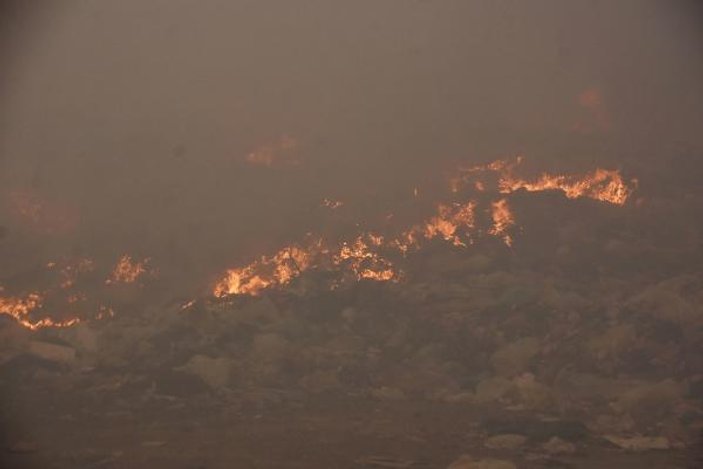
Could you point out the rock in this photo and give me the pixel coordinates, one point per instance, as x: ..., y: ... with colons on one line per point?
x: 269, y: 347
x: 515, y: 357
x: 639, y: 443
x: 508, y: 441
x: 215, y: 372
x: 614, y: 342
x: 387, y: 393
x: 320, y: 381
x: 52, y: 352
x: 492, y: 389
x: 533, y: 394
x: 651, y: 398
x: 81, y: 336
x: 260, y: 311
x: 466, y: 462
x: 22, y: 447
x: 556, y: 445
x: 536, y: 429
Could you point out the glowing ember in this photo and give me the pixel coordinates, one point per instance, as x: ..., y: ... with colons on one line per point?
x: 502, y: 220
x: 40, y: 213
x: 127, y: 270
x: 280, y: 153
x: 333, y: 204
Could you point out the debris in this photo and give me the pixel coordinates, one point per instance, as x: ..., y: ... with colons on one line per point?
x: 52, y: 352
x: 22, y: 447
x: 387, y: 462
x: 509, y: 441
x: 492, y: 389
x: 466, y: 462
x: 515, y: 357
x: 556, y: 445
x: 215, y: 372
x: 639, y: 443
x: 388, y: 393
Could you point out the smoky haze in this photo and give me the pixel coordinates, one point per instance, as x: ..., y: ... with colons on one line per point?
x: 206, y: 133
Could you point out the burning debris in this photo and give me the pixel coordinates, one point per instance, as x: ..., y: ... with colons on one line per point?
x: 128, y: 270
x: 439, y: 312
x: 369, y: 255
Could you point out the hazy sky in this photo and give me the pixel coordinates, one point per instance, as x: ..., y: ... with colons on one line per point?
x: 136, y: 117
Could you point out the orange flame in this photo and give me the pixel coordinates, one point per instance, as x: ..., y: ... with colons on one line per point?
x: 502, y: 220
x: 602, y: 184
x: 127, y: 270
x: 454, y: 223
x: 20, y: 308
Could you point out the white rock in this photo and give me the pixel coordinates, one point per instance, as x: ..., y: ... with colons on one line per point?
x: 215, y: 372
x: 639, y: 443
x: 52, y: 352
x: 466, y: 462
x: 505, y: 441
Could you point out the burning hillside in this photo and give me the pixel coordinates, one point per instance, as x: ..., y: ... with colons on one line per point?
x: 364, y: 256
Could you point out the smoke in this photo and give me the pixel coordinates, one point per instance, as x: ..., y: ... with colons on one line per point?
x: 135, y: 126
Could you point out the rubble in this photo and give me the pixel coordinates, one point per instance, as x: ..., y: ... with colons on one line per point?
x: 56, y: 353
x: 467, y: 462
x: 509, y: 441
x: 639, y: 443
x: 215, y: 372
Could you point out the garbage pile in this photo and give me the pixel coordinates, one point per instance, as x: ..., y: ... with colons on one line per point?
x: 589, y: 329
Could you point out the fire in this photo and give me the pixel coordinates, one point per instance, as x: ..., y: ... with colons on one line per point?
x: 502, y: 220
x: 362, y: 257
x: 127, y: 270
x: 276, y: 270
x: 20, y: 308
x: 446, y: 224
x: 602, y: 184
x: 363, y: 262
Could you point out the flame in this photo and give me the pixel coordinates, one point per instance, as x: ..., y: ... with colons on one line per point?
x: 502, y: 220
x: 127, y: 270
x: 276, y: 270
x: 445, y: 224
x: 602, y: 184
x: 361, y: 256
x: 19, y: 308
x: 363, y: 261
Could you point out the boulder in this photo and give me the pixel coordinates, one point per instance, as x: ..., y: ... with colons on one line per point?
x: 515, y: 357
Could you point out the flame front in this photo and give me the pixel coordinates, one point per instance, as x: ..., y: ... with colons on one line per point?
x: 361, y: 257
x: 602, y: 184
x: 20, y: 308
